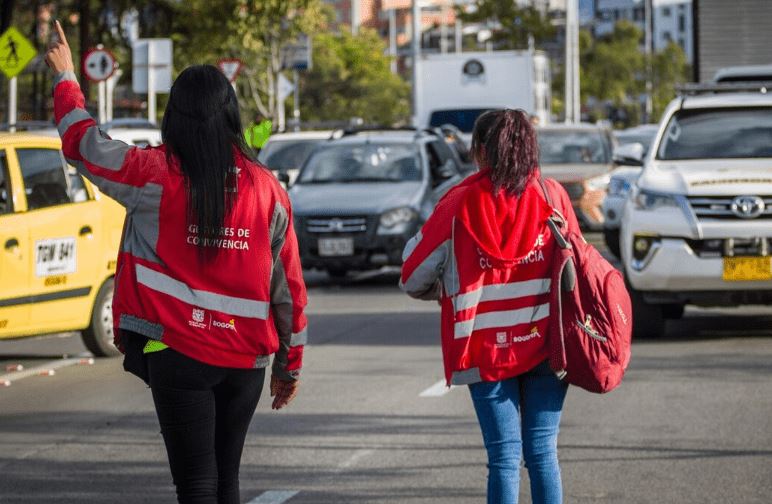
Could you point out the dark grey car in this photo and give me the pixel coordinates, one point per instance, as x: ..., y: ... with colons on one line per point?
x: 361, y: 197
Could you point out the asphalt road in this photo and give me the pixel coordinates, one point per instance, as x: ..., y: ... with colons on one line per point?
x: 692, y: 422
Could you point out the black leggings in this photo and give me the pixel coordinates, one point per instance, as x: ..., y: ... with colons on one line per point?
x: 204, y: 412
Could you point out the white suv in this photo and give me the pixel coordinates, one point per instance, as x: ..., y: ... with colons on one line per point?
x: 697, y: 227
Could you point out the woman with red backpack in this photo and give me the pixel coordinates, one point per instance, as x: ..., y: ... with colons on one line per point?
x: 486, y: 254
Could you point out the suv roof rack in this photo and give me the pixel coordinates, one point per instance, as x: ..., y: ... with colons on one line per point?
x: 724, y: 87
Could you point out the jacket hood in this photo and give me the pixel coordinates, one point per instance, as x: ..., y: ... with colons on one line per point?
x: 506, y: 228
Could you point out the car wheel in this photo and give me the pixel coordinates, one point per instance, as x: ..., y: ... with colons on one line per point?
x: 611, y: 237
x: 673, y: 311
x: 98, y: 336
x: 648, y: 319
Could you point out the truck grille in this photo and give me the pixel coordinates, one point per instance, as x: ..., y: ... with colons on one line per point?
x: 720, y: 207
x: 336, y: 225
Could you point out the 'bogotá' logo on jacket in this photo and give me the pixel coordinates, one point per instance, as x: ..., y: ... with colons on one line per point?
x: 231, y: 324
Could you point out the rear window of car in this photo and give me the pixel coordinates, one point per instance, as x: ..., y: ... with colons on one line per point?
x: 573, y: 147
x: 720, y: 133
x: 462, y: 119
x: 286, y: 154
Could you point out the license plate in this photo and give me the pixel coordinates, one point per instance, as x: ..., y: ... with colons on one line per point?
x: 336, y: 247
x: 745, y: 269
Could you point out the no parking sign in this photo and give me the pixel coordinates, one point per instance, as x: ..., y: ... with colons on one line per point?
x: 98, y: 64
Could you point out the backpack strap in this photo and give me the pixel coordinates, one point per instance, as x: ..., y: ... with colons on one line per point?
x: 556, y: 222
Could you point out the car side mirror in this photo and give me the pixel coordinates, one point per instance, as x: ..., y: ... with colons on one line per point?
x: 629, y: 155
x: 283, y: 177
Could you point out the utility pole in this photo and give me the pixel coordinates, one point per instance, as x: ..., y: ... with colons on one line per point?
x: 572, y: 98
x: 393, y: 39
x: 416, y: 57
x: 648, y: 50
x: 355, y: 16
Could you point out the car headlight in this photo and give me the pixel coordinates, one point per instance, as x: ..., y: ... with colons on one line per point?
x: 647, y: 200
x: 396, y: 221
x: 599, y: 183
x: 619, y: 187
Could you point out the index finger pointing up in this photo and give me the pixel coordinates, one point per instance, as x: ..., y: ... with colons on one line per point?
x: 60, y: 33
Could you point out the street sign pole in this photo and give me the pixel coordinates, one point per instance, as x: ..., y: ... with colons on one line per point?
x: 102, y: 105
x: 296, y: 100
x: 151, y: 107
x: 12, y: 95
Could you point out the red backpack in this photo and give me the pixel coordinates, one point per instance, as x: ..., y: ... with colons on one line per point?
x: 591, y: 318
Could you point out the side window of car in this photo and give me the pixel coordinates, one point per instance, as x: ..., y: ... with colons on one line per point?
x: 6, y: 203
x: 45, y: 180
x: 442, y: 166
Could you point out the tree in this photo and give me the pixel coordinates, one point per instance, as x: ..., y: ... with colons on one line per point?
x: 512, y: 25
x: 351, y: 78
x: 613, y: 71
x: 668, y: 69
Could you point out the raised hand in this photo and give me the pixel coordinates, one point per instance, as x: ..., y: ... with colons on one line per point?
x: 59, y: 56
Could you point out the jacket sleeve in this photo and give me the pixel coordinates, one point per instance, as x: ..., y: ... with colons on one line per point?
x: 425, y: 256
x: 288, y: 295
x: 116, y: 168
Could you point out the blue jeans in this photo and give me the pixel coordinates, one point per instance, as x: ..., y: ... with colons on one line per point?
x: 521, y: 414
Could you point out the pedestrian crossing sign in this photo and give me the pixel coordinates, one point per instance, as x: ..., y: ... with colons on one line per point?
x: 15, y: 52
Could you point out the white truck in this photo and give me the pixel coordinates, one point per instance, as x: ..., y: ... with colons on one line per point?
x: 455, y: 88
x: 697, y: 227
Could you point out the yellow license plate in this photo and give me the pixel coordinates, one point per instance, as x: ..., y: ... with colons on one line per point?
x: 745, y: 269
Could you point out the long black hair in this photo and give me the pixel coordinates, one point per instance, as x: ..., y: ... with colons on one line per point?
x: 201, y: 129
x: 504, y: 141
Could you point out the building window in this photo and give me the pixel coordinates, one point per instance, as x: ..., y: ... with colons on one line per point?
x: 665, y: 11
x: 639, y: 14
x: 682, y: 43
x: 667, y: 37
x: 681, y: 23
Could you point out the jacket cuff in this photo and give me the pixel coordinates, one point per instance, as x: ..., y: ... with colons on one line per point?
x: 67, y: 75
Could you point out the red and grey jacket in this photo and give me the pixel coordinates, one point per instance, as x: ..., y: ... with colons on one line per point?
x: 491, y: 255
x: 232, y: 309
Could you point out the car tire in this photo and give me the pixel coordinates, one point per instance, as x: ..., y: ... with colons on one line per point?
x: 648, y: 319
x: 673, y: 311
x: 337, y: 273
x: 98, y: 336
x: 611, y: 237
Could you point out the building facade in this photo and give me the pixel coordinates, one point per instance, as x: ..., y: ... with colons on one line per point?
x: 671, y: 21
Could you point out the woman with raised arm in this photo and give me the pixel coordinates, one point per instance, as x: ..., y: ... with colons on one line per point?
x: 209, y: 284
x: 485, y: 253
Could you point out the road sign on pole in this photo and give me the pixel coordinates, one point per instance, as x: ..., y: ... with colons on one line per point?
x: 15, y: 53
x: 98, y: 64
x: 230, y: 67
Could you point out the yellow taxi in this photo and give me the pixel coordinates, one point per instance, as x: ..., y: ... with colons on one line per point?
x: 59, y: 237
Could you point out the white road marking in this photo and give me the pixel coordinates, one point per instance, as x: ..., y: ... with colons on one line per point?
x: 43, y: 368
x: 274, y: 497
x: 439, y: 389
x: 353, y: 459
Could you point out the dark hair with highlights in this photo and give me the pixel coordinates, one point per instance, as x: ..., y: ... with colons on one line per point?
x: 504, y: 141
x: 201, y: 129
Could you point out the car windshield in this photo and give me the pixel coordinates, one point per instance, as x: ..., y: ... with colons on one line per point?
x: 572, y: 147
x: 362, y: 163
x: 287, y: 154
x: 462, y: 119
x: 718, y: 134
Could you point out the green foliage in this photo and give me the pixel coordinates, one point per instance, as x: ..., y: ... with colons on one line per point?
x: 351, y: 78
x: 668, y: 69
x: 513, y: 24
x: 614, y: 68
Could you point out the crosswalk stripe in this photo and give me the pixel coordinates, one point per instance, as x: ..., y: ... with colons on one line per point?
x: 274, y: 497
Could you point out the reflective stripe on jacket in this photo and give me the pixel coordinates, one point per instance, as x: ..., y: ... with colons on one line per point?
x: 234, y: 309
x: 492, y: 254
